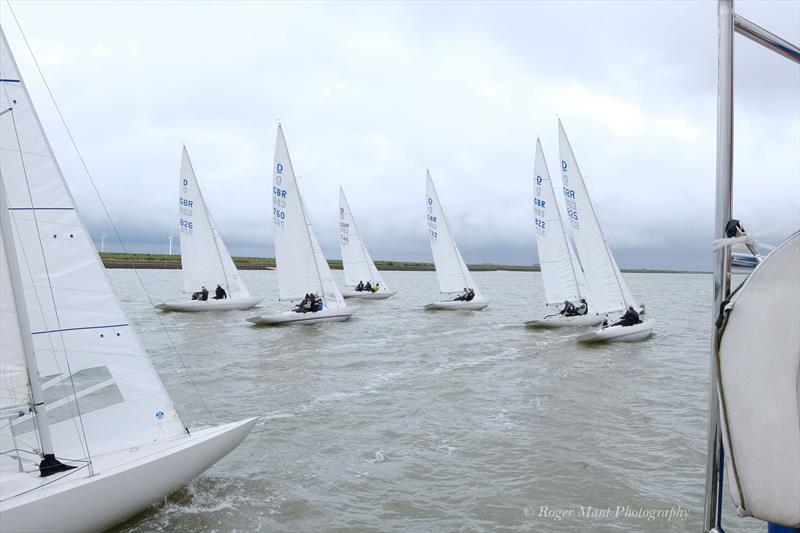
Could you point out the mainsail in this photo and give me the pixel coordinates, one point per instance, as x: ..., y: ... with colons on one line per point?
x: 205, y: 260
x: 450, y: 267
x: 608, y: 289
x: 356, y: 261
x: 302, y: 267
x: 562, y: 275
x: 101, y: 389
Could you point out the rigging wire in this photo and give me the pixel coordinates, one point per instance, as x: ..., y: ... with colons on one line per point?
x: 106, y: 211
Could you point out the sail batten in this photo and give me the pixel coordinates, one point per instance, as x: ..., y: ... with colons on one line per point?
x: 608, y: 290
x: 451, y: 270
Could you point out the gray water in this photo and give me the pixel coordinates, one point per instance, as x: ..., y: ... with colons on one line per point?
x: 407, y: 420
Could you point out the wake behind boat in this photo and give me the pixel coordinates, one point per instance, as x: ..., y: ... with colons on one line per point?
x: 76, y: 383
x: 356, y: 261
x: 304, y: 276
x: 206, y: 263
x: 452, y: 272
x: 608, y: 289
x: 562, y: 276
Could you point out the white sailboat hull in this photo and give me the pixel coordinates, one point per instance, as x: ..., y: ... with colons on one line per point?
x: 364, y: 295
x: 560, y: 321
x: 290, y: 317
x: 452, y: 305
x: 147, y: 474
x: 637, y: 332
x: 228, y: 304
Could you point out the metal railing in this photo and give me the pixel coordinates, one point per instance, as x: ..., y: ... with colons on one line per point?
x: 729, y: 24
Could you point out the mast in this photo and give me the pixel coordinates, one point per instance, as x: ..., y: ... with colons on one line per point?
x: 308, y: 233
x: 617, y: 273
x: 211, y: 224
x: 461, y: 264
x: 561, y: 223
x: 364, y: 253
x: 49, y: 465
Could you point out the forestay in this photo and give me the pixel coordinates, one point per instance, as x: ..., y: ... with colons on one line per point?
x: 608, y: 289
x: 89, y: 359
x: 205, y: 260
x: 562, y: 275
x: 302, y: 267
x: 450, y: 267
x: 356, y: 261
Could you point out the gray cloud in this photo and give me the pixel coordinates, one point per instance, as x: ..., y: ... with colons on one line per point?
x: 371, y: 95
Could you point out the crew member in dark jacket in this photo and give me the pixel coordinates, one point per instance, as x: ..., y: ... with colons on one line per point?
x: 220, y: 293
x: 630, y: 318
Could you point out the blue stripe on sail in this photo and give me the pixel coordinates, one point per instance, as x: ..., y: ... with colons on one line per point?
x: 41, y: 208
x: 8, y: 80
x: 77, y: 329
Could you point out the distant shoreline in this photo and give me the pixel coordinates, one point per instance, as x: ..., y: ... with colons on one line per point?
x: 173, y: 262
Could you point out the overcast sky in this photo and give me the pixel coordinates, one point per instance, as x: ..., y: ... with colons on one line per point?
x: 372, y: 94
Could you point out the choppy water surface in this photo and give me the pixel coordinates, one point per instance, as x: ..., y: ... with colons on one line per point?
x: 406, y: 420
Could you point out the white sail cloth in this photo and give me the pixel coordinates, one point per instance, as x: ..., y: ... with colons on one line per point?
x: 608, y: 289
x: 562, y: 276
x: 90, y: 362
x: 450, y: 267
x: 301, y: 265
x: 205, y: 260
x: 14, y: 391
x: 759, y: 365
x: 356, y: 261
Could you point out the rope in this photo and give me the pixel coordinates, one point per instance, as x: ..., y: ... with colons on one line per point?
x: 105, y: 210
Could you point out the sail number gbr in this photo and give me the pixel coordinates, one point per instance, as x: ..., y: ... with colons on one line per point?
x: 278, y: 197
x: 538, y: 207
x: 569, y: 198
x: 432, y: 222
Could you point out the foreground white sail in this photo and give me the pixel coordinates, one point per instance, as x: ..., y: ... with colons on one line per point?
x: 562, y: 276
x: 205, y: 260
x: 356, y: 261
x: 454, y: 277
x: 609, y: 292
x: 302, y: 267
x: 91, y: 394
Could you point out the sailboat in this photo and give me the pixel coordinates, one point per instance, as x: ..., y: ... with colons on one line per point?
x: 205, y: 260
x: 301, y: 265
x: 356, y: 261
x: 562, y: 275
x: 454, y: 277
x: 609, y: 292
x: 88, y: 434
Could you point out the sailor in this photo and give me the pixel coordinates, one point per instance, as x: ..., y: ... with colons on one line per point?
x: 219, y: 293
x: 204, y: 294
x: 301, y: 307
x: 360, y: 286
x: 376, y: 287
x: 569, y: 309
x: 470, y: 295
x: 630, y: 318
x: 368, y: 286
x: 316, y: 303
x: 461, y: 297
x: 196, y: 295
x: 642, y: 311
x: 583, y: 308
